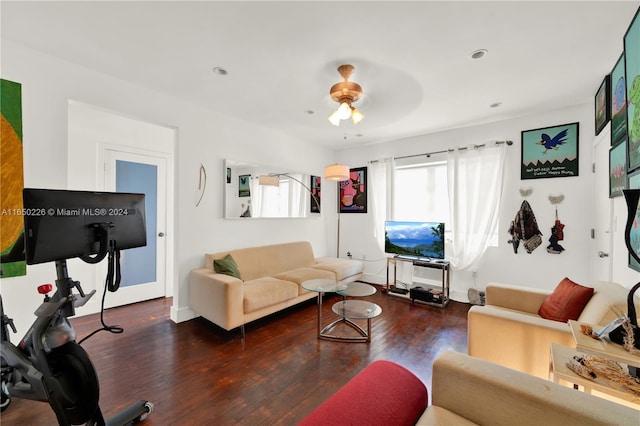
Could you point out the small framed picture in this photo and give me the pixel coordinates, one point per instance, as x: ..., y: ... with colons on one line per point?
x: 602, y: 107
x: 228, y: 174
x: 617, y: 169
x: 316, y: 182
x: 244, y: 189
x: 550, y: 152
x: 618, y: 103
x: 353, y: 192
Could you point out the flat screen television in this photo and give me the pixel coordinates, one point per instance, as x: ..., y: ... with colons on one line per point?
x: 61, y: 224
x: 419, y: 239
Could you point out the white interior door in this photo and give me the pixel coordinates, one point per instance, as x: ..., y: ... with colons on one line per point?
x: 601, y: 250
x: 143, y: 269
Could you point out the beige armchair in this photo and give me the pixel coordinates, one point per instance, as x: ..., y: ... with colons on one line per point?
x: 508, y: 330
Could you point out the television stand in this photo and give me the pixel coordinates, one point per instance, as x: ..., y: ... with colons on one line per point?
x: 433, y: 295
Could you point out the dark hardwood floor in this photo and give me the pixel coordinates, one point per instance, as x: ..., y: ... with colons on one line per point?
x: 196, y: 373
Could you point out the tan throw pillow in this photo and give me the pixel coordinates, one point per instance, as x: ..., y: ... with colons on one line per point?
x: 566, y: 302
x: 227, y: 266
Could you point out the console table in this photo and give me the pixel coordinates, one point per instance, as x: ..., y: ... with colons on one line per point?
x: 429, y: 294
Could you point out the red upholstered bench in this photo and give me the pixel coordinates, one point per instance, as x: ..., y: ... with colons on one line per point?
x: 383, y: 393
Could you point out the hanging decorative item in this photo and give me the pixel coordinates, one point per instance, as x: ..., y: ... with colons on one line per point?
x: 525, y: 227
x: 202, y: 183
x: 557, y: 230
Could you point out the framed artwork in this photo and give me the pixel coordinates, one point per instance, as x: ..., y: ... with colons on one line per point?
x: 315, y: 197
x: 228, y: 174
x: 617, y: 169
x: 11, y: 181
x: 353, y: 192
x: 632, y: 78
x: 601, y: 103
x: 618, y: 103
x: 634, y: 235
x: 243, y: 186
x: 550, y: 152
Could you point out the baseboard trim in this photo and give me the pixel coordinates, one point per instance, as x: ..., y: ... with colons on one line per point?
x: 181, y: 314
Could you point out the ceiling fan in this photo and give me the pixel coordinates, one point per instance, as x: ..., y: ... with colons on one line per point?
x: 346, y: 93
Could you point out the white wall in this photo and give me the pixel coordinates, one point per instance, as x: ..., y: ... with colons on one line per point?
x: 500, y: 264
x: 48, y: 84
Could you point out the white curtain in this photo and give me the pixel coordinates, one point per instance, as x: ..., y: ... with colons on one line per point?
x: 382, y: 174
x: 298, y: 204
x: 256, y: 197
x: 475, y: 188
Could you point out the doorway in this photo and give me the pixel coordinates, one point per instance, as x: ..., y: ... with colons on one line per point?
x: 601, y: 251
x: 109, y: 151
x: 143, y: 268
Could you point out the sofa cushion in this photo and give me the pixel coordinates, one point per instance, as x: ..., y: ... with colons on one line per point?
x: 342, y: 268
x: 566, y: 302
x: 227, y: 266
x: 264, y: 292
x: 301, y: 275
x: 267, y: 261
x: 608, y: 301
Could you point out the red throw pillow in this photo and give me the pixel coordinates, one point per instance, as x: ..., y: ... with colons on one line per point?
x: 566, y: 302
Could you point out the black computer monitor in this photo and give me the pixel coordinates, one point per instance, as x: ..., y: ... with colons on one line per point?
x: 62, y: 224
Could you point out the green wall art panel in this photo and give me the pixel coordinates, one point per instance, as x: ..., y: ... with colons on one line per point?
x: 632, y: 73
x: 12, y: 261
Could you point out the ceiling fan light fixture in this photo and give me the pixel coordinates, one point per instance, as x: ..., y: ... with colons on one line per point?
x: 345, y: 93
x: 334, y: 118
x: 356, y: 115
x: 344, y: 111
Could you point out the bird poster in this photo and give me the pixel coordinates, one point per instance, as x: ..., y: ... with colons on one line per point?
x: 550, y: 152
x: 244, y: 189
x: 12, y: 263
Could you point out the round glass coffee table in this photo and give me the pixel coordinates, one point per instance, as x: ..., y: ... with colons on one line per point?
x: 322, y: 286
x: 357, y: 289
x: 350, y: 309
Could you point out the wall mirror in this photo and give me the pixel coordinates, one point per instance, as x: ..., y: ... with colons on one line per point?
x: 262, y: 191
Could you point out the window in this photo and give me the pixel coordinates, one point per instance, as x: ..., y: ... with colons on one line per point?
x: 420, y: 192
x: 275, y: 199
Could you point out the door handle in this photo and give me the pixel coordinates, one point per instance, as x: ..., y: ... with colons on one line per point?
x: 161, y: 234
x: 602, y: 254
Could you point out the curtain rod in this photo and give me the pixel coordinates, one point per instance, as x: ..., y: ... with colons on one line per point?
x: 429, y: 154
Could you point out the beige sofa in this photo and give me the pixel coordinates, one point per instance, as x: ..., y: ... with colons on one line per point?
x: 271, y: 281
x: 466, y: 390
x: 508, y: 330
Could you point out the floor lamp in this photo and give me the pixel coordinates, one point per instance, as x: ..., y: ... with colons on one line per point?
x: 274, y: 180
x: 337, y: 173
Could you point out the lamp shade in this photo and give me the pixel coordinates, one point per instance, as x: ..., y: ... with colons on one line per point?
x: 269, y: 180
x: 337, y: 172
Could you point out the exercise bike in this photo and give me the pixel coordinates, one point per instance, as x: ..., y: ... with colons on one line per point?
x: 48, y: 364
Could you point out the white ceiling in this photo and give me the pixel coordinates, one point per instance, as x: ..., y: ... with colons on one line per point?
x: 412, y: 59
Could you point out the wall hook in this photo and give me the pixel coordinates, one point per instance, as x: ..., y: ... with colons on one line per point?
x: 556, y: 198
x: 525, y: 191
